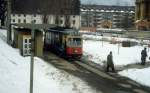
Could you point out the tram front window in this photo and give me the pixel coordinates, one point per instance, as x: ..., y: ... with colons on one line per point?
x: 74, y: 41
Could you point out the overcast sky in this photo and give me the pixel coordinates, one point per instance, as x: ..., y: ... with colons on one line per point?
x: 109, y: 2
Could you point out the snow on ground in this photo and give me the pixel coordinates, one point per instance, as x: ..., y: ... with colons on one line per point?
x: 139, y: 75
x: 14, y: 73
x: 14, y: 69
x: 97, y: 52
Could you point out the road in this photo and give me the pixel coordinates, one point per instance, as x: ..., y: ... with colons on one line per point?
x: 99, y: 80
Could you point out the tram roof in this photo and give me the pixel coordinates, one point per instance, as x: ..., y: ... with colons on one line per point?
x: 64, y: 31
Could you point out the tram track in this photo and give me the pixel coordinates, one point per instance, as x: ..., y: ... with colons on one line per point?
x: 97, y: 78
x: 94, y: 70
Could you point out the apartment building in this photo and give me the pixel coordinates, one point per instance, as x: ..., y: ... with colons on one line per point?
x: 96, y: 15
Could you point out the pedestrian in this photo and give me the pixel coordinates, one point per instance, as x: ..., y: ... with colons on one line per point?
x: 110, y: 63
x: 143, y: 56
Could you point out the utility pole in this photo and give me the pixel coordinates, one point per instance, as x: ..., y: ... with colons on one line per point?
x: 8, y: 22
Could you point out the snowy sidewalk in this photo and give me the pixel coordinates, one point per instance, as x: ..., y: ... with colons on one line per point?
x: 137, y: 66
x: 118, y: 68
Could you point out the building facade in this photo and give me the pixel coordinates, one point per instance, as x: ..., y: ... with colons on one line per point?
x: 142, y: 15
x: 64, y: 13
x: 59, y: 12
x: 74, y: 20
x: 118, y: 16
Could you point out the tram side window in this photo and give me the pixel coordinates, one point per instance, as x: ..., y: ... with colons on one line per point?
x: 48, y: 39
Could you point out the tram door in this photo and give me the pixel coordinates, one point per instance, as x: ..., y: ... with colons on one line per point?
x: 26, y: 46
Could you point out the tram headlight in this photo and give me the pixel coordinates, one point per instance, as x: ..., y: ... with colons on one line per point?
x: 76, y: 51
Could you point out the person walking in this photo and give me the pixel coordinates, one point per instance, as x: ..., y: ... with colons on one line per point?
x: 110, y: 63
x: 143, y: 56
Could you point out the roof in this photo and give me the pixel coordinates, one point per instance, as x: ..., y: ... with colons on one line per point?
x: 109, y: 8
x: 46, y: 6
x: 68, y: 31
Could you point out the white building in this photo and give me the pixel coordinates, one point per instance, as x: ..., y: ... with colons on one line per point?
x: 74, y: 20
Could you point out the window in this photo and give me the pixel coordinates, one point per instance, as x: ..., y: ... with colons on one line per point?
x: 34, y: 21
x: 34, y: 15
x: 13, y: 15
x: 14, y: 20
x: 29, y: 40
x: 61, y: 21
x: 19, y: 21
x: 25, y: 40
x: 74, y: 22
x: 29, y: 45
x: 24, y: 21
x: 74, y: 41
x: 29, y: 51
x: 19, y: 15
x: 25, y: 46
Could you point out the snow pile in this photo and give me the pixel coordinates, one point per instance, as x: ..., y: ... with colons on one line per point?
x: 139, y: 75
x: 14, y: 73
x: 106, y: 38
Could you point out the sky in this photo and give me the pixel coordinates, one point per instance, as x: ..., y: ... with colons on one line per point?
x: 109, y: 2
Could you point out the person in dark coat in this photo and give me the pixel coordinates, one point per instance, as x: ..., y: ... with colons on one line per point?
x: 110, y: 63
x: 143, y: 56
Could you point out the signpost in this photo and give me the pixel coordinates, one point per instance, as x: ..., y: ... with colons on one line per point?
x: 32, y: 60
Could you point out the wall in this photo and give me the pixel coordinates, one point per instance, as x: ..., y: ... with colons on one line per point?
x: 39, y: 44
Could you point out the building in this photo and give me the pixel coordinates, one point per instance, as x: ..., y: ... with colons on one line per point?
x: 118, y: 16
x: 60, y: 12
x: 42, y: 14
x: 142, y: 15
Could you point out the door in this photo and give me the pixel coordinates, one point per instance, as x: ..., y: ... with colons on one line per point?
x: 26, y: 46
